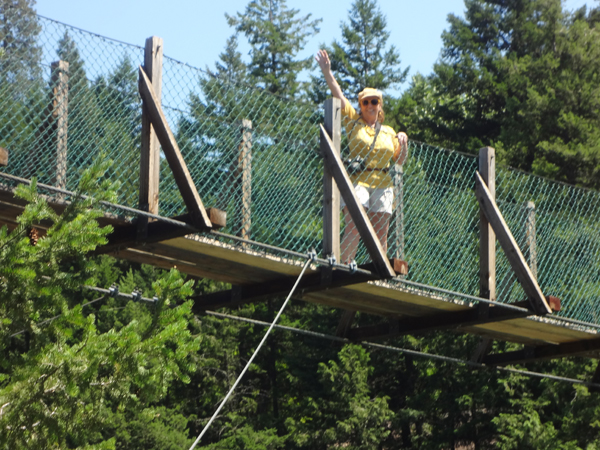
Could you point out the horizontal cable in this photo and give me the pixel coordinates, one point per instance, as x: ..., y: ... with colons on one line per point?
x: 407, y: 351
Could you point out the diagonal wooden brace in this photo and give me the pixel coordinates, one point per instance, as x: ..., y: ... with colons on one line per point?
x: 171, y: 150
x: 363, y: 225
x: 511, y: 249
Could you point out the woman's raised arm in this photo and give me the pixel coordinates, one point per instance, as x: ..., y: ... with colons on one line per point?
x: 325, y: 65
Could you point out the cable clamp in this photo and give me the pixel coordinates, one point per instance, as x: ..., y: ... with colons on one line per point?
x: 113, y: 291
x: 136, y: 295
x: 312, y: 255
x: 352, y: 266
x: 331, y: 259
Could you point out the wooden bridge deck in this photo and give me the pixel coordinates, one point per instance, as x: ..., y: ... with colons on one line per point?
x: 205, y: 257
x: 404, y: 308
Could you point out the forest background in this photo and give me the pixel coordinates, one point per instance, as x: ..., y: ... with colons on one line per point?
x: 519, y: 75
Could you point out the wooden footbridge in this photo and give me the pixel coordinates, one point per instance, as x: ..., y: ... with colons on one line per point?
x: 259, y: 270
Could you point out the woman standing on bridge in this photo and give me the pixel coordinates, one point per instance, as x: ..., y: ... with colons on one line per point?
x: 374, y: 148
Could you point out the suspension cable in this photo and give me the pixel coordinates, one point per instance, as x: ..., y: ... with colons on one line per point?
x: 206, y: 427
x: 407, y: 351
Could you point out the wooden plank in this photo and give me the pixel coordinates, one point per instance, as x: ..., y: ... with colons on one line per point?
x: 173, y: 154
x: 150, y: 147
x: 511, y: 249
x: 363, y: 225
x: 544, y: 352
x: 529, y: 330
x: 274, y: 288
x: 164, y: 262
x: 384, y: 301
x: 60, y: 113
x: 221, y: 264
x: 3, y: 157
x: 444, y: 321
x: 331, y: 193
x: 127, y: 236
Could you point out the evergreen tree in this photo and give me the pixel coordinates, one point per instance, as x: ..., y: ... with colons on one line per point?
x: 276, y: 35
x: 21, y: 81
x: 63, y: 382
x: 231, y: 67
x: 519, y: 75
x: 67, y: 51
x: 363, y: 58
x: 20, y: 54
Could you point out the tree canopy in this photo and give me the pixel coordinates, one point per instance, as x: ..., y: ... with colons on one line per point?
x: 276, y: 34
x: 521, y: 76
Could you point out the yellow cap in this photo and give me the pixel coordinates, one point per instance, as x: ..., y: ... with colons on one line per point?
x: 370, y: 92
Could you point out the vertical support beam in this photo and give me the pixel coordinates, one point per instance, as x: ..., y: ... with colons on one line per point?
x: 331, y: 193
x: 244, y: 180
x: 399, y: 200
x: 487, y: 238
x: 530, y: 238
x: 150, y: 149
x: 60, y: 117
x: 487, y: 247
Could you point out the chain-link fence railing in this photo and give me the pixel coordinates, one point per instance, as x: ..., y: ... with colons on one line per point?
x: 256, y: 156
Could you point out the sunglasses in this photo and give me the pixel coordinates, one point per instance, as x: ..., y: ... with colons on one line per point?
x: 373, y: 101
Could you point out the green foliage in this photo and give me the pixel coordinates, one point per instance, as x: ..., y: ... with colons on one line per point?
x: 518, y: 75
x: 63, y: 381
x: 363, y: 58
x: 276, y: 35
x: 122, y: 374
x: 344, y: 414
x: 20, y: 51
x: 158, y: 427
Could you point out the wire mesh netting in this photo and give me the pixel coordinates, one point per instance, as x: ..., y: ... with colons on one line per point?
x: 256, y: 155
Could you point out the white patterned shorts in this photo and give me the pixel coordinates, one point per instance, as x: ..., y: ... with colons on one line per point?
x: 374, y: 199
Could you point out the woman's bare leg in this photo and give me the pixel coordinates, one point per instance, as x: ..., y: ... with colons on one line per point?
x: 381, y: 223
x: 350, y: 239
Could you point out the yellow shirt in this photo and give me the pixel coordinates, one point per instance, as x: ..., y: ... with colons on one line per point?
x: 360, y: 139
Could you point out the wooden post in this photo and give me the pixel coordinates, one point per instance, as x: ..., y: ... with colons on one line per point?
x: 487, y: 247
x: 507, y: 241
x: 150, y: 149
x: 530, y: 238
x: 331, y: 193
x: 184, y: 180
x: 60, y: 112
x: 487, y: 238
x: 243, y: 181
x: 399, y: 200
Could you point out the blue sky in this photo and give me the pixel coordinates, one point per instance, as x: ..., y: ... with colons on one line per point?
x: 195, y: 31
